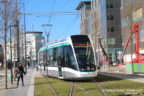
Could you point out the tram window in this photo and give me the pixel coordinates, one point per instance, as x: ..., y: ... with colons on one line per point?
x: 41, y: 59
x: 54, y: 57
x: 60, y: 56
x: 50, y: 57
x: 44, y: 57
x: 48, y: 63
x: 69, y: 58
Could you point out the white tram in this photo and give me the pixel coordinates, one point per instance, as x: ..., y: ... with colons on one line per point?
x: 69, y: 58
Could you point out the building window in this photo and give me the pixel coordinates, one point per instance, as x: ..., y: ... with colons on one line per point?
x: 97, y: 3
x: 111, y: 41
x: 122, y: 4
x: 141, y: 35
x: 110, y: 17
x: 109, y: 5
x: 129, y: 2
x: 125, y: 21
x: 110, y: 29
x: 137, y: 15
x: 122, y: 20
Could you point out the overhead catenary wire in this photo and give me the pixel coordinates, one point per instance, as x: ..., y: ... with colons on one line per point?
x: 70, y: 25
x: 58, y: 12
x: 51, y: 14
x: 53, y: 5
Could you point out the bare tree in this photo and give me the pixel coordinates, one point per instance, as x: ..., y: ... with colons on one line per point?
x: 7, y: 17
x: 129, y: 21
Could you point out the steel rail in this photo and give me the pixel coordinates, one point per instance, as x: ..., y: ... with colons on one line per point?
x: 99, y: 87
x: 84, y: 90
x: 72, y: 87
x: 50, y: 85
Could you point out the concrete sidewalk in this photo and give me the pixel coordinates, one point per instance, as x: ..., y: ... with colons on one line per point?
x: 124, y: 76
x: 27, y: 89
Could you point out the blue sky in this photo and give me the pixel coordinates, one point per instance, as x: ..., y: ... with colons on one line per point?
x: 63, y: 25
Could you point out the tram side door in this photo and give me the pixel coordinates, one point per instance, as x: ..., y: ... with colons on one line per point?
x: 60, y: 60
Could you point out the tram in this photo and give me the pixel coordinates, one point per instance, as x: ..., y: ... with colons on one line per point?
x: 70, y: 58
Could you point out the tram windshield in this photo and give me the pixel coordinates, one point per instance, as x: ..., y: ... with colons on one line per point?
x: 84, y: 53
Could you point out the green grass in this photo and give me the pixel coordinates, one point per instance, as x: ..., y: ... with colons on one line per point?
x: 62, y: 87
x: 89, y: 86
x: 111, y: 86
x: 78, y: 92
x: 115, y: 87
x: 42, y: 88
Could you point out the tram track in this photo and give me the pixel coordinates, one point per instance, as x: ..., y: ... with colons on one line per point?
x: 75, y: 84
x: 52, y: 88
x: 99, y: 87
x: 90, y: 94
x: 72, y: 88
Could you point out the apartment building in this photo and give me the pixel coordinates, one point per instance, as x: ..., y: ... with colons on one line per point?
x: 36, y: 44
x: 104, y: 23
x: 132, y: 11
x: 85, y: 9
x: 34, y: 40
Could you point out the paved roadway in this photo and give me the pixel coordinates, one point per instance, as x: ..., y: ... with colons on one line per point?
x: 137, y: 78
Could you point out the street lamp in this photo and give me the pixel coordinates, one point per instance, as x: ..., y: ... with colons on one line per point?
x: 11, y: 53
x: 25, y: 36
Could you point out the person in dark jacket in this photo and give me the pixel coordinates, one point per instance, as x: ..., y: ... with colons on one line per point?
x: 21, y: 72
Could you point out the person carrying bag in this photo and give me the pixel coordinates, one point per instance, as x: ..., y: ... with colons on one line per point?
x: 20, y: 74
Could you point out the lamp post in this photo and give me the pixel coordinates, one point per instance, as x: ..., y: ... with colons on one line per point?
x: 11, y: 53
x: 24, y: 36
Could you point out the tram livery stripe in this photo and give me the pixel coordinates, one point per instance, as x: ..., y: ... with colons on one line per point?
x: 53, y: 46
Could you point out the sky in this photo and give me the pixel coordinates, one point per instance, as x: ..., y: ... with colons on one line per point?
x: 63, y: 25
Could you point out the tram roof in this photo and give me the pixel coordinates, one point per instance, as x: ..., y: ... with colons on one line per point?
x: 67, y: 39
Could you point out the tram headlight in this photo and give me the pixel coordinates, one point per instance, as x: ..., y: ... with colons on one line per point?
x: 88, y: 68
x: 82, y: 69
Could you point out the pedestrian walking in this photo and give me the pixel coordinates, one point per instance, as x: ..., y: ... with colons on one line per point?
x: 20, y: 74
